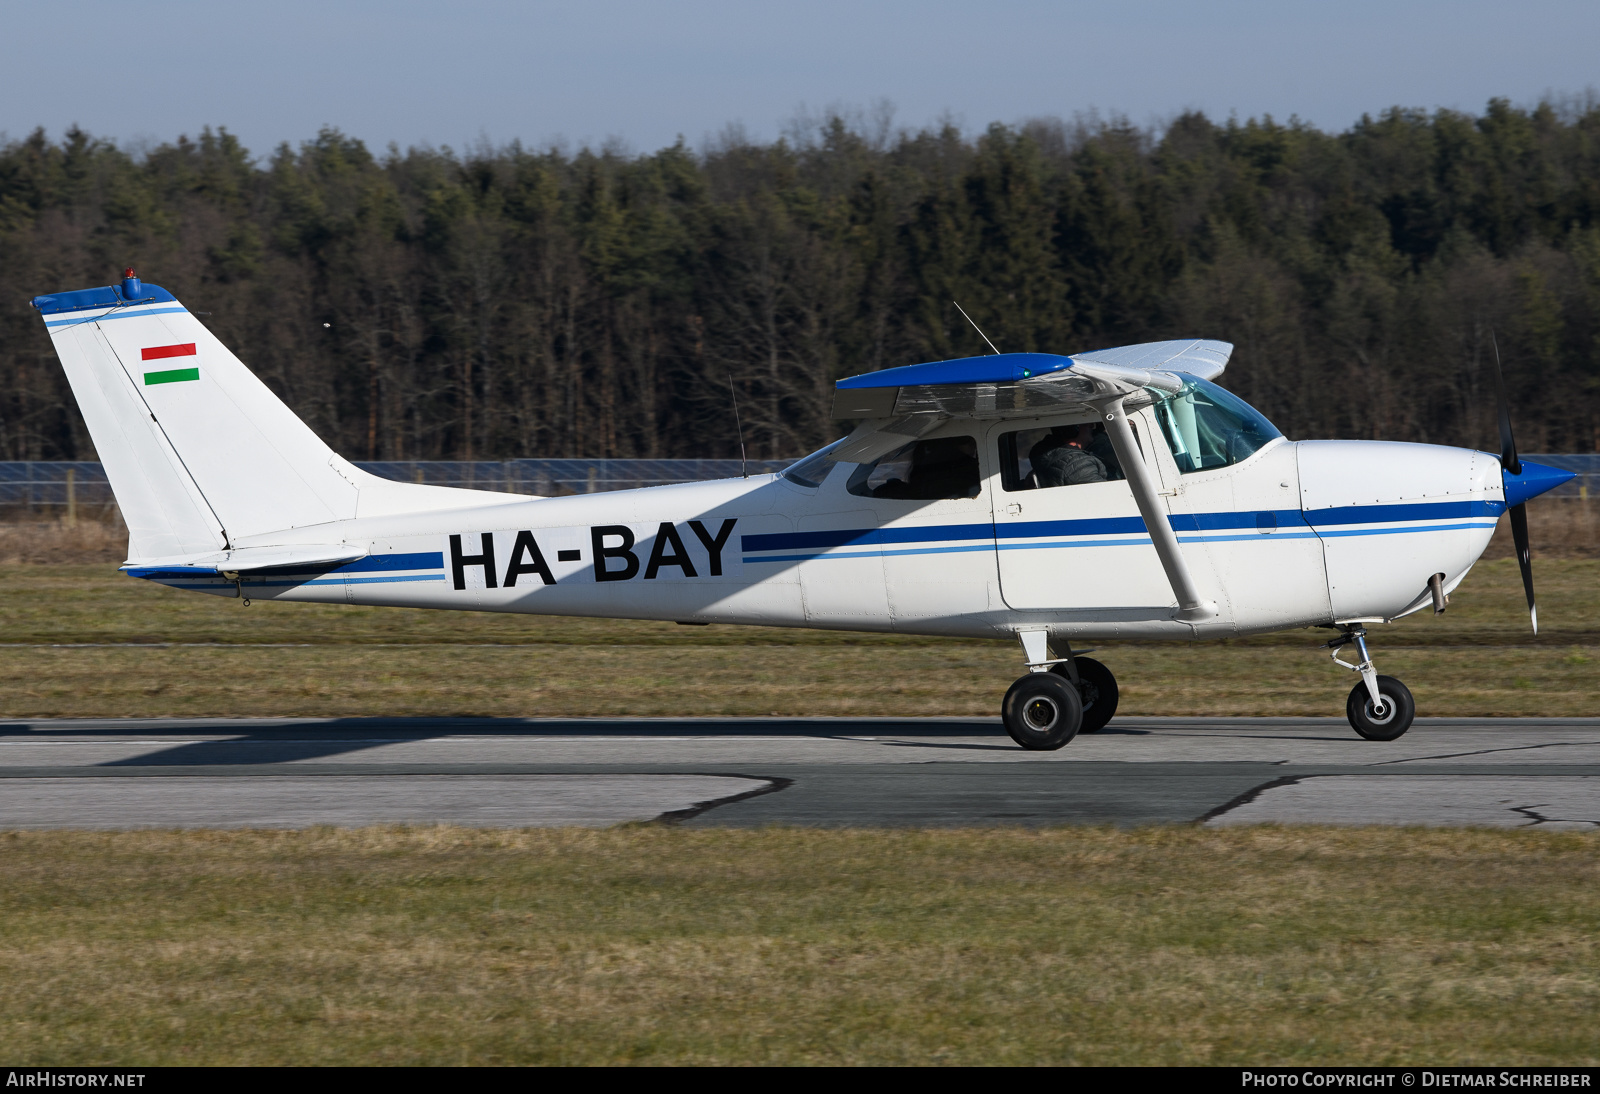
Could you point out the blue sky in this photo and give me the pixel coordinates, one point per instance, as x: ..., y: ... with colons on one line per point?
x: 643, y: 73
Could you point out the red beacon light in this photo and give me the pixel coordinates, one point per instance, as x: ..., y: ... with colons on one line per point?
x: 131, y: 288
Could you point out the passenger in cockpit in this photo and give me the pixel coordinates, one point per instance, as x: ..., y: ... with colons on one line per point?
x: 946, y: 467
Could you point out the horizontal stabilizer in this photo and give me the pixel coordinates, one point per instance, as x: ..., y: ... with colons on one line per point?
x: 253, y: 558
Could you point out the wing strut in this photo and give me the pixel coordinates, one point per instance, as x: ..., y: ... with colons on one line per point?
x: 1191, y: 609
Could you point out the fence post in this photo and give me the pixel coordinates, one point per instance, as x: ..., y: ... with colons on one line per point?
x: 72, y: 497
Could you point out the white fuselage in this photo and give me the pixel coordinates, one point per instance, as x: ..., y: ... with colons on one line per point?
x: 1298, y: 534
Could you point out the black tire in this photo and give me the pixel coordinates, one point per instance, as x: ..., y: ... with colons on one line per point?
x: 1399, y: 710
x: 1097, y: 691
x: 1042, y: 711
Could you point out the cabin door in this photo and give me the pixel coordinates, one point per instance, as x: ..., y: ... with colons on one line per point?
x: 1068, y: 535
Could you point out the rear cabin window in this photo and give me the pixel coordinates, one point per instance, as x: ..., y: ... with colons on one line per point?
x: 945, y: 467
x: 1063, y: 455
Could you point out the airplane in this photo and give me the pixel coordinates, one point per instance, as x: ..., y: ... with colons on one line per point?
x: 1053, y: 500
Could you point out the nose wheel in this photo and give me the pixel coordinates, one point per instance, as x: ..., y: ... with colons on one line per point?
x: 1382, y: 722
x: 1380, y: 708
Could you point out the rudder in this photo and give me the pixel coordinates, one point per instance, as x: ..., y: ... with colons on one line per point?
x: 200, y: 453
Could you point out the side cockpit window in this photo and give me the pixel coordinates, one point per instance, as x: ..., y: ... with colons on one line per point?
x: 945, y: 467
x: 1062, y: 455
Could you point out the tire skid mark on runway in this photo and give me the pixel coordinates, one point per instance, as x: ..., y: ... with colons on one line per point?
x: 1249, y: 796
x: 1488, y: 752
x: 1556, y: 798
x: 774, y: 783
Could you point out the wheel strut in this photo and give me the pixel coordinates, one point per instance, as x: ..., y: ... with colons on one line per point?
x: 1369, y: 674
x: 1380, y: 708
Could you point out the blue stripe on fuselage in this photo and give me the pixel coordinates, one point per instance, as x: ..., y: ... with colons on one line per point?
x: 1190, y: 527
x: 421, y: 560
x: 850, y: 537
x: 188, y: 581
x: 1388, y: 514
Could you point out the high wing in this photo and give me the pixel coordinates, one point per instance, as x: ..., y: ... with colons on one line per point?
x: 897, y: 405
x: 1008, y: 385
x: 902, y: 404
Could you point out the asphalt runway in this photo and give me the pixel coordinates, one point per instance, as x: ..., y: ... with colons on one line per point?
x: 124, y: 773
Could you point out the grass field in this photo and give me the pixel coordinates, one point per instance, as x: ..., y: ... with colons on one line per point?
x: 659, y: 945
x: 650, y: 945
x: 82, y: 640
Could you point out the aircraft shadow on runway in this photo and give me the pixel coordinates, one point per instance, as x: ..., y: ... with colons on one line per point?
x: 286, y: 743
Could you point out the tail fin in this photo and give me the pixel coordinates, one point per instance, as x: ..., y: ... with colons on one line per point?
x: 201, y: 454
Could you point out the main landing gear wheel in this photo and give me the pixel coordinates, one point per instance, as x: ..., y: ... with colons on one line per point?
x: 1384, y: 723
x: 1097, y: 689
x: 1042, y: 711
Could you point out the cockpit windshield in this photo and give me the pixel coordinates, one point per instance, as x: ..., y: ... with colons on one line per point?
x: 1209, y: 427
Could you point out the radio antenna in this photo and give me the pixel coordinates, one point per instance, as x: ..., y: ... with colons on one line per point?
x: 744, y: 464
x: 975, y: 326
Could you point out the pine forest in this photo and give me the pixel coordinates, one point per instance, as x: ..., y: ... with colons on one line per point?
x: 506, y: 302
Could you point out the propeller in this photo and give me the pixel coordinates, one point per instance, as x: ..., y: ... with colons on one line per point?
x: 1511, y: 465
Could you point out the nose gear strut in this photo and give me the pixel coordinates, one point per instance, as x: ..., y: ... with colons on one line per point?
x: 1369, y: 675
x: 1380, y: 708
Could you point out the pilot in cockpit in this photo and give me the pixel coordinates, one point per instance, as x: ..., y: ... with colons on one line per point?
x: 1074, y: 454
